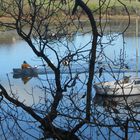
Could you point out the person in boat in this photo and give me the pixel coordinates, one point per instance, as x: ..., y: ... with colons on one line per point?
x: 25, y: 65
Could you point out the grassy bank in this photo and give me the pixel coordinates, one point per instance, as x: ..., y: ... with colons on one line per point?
x: 115, y: 7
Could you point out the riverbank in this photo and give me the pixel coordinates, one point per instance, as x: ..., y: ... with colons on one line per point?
x: 108, y: 8
x: 113, y: 7
x: 115, y: 11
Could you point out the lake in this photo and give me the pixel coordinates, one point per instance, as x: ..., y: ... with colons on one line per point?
x: 14, y: 51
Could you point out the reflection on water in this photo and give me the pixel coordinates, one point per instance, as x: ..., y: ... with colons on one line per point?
x: 125, y: 102
x: 8, y: 37
x: 120, y: 115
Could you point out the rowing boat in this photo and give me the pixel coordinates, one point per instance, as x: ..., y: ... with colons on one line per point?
x: 33, y: 72
x: 29, y: 72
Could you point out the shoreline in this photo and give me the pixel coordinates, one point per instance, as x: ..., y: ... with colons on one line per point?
x: 10, y: 36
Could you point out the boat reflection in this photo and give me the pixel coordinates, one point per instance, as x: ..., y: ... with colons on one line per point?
x: 25, y: 79
x: 120, y: 116
x: 122, y: 108
x: 131, y: 101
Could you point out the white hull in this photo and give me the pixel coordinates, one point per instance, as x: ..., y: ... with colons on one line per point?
x: 118, y: 89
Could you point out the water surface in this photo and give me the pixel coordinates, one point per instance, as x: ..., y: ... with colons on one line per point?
x: 14, y: 53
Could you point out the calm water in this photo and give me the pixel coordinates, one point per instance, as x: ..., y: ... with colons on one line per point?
x: 12, y: 55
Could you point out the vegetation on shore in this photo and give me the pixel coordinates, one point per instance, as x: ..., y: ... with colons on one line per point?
x: 113, y: 7
x: 110, y: 7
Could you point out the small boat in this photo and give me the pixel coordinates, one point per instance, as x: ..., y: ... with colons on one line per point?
x: 29, y: 72
x: 124, y: 87
x: 35, y: 71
